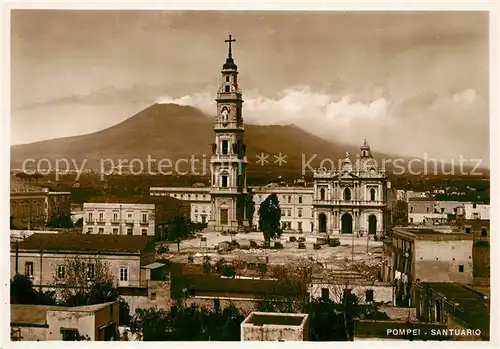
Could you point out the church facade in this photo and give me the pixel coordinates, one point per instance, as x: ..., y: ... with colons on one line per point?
x: 351, y: 199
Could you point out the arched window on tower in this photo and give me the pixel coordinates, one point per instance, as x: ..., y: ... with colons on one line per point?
x: 225, y: 147
x: 347, y: 194
x: 322, y: 194
x: 372, y: 194
x: 227, y: 88
x: 224, y: 180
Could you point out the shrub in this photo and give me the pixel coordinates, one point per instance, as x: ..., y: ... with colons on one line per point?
x: 278, y: 245
x: 301, y: 239
x: 163, y: 249
x: 262, y: 268
x: 317, y: 246
x: 228, y: 270
x: 292, y: 239
x: 302, y: 245
x: 253, y: 244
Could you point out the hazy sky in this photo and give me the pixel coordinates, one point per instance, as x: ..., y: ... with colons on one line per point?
x: 408, y: 82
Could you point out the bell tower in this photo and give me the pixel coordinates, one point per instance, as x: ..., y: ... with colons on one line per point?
x: 228, y: 162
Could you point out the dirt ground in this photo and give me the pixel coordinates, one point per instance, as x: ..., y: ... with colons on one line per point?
x: 330, y: 257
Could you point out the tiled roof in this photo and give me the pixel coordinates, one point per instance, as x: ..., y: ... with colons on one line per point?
x: 88, y: 242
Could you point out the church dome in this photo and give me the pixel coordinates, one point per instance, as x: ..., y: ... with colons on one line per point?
x: 229, y: 65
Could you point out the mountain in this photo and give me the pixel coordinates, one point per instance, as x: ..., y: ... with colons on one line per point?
x: 170, y: 131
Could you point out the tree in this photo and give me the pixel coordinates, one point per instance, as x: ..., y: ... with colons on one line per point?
x: 22, y: 292
x: 181, y: 229
x: 293, y: 282
x: 326, y: 321
x: 399, y: 213
x: 86, y: 281
x: 60, y: 221
x: 79, y: 222
x: 150, y: 324
x: 269, y: 218
x: 191, y: 323
x: 207, y: 266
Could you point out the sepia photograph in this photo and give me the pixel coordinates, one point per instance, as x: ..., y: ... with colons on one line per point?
x: 249, y: 175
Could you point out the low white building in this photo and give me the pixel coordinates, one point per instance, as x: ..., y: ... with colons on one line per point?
x: 119, y: 218
x: 98, y: 322
x: 259, y: 327
x: 476, y: 211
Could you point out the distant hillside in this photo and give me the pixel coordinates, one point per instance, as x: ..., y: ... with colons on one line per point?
x: 178, y: 132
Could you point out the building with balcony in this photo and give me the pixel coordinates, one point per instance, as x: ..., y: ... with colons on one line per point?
x: 351, y: 199
x: 119, y: 218
x: 42, y: 257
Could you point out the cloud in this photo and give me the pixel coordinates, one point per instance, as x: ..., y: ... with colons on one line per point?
x: 300, y: 105
x: 468, y: 96
x: 430, y: 123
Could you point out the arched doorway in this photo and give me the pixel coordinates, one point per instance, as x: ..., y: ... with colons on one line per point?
x: 346, y: 224
x: 322, y: 223
x: 372, y: 224
x: 224, y: 215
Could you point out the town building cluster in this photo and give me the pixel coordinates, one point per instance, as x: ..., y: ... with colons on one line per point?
x: 433, y: 272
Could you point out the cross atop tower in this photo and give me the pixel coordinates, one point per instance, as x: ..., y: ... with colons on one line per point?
x: 230, y: 40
